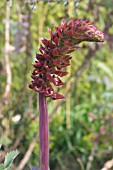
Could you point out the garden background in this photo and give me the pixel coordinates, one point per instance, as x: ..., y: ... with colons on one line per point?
x: 81, y: 125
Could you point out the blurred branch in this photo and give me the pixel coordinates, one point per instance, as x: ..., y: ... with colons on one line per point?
x: 91, y: 156
x: 27, y: 154
x: 68, y: 98
x: 108, y: 165
x: 81, y: 163
x: 28, y: 47
x: 6, y: 54
x: 25, y: 18
x: 42, y: 18
x: 17, y: 142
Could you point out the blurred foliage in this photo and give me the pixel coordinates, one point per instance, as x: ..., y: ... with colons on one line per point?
x: 91, y: 98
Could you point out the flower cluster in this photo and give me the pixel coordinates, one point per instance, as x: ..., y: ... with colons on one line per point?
x: 55, y: 54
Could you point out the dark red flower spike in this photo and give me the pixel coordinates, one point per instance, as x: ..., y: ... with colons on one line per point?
x: 54, y: 56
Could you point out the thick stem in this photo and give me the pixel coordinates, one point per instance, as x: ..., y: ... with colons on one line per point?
x: 43, y: 133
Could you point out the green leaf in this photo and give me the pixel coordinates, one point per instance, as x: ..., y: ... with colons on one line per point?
x: 1, y: 166
x: 9, y: 158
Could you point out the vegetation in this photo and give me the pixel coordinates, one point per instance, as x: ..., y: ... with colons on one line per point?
x: 81, y: 124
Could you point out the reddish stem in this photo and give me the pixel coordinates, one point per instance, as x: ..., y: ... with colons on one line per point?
x: 44, y: 133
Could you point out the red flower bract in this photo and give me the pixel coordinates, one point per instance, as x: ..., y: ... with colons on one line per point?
x: 48, y: 67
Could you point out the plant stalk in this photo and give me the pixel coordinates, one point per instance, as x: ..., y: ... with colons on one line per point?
x: 43, y: 133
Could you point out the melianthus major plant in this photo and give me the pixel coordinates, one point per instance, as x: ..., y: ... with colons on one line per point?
x: 48, y: 69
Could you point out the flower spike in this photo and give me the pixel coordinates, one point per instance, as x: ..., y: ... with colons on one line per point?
x: 48, y: 67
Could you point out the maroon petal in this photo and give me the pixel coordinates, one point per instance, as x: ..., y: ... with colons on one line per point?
x: 60, y: 34
x: 36, y: 89
x: 63, y: 49
x: 66, y: 57
x: 55, y: 52
x: 63, y: 23
x: 57, y: 96
x: 31, y: 86
x: 51, y: 45
x: 67, y: 43
x: 61, y: 63
x: 69, y: 33
x: 49, y: 91
x: 41, y: 89
x: 46, y: 56
x: 45, y: 42
x: 56, y: 62
x: 48, y: 64
x: 60, y: 73
x: 55, y: 80
x: 36, y: 72
x: 42, y: 49
x: 56, y: 40
x: 39, y: 57
x: 37, y: 64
